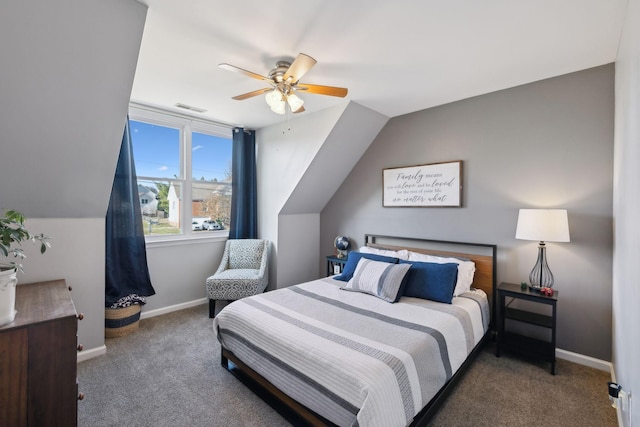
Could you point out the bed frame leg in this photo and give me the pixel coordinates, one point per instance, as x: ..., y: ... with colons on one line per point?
x: 224, y: 361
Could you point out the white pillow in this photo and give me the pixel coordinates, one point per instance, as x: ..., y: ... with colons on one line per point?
x: 401, y: 254
x: 377, y: 278
x: 466, y: 269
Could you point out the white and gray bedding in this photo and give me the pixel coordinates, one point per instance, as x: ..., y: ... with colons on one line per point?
x: 351, y: 357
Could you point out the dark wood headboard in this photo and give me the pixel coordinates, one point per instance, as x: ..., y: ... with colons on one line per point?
x: 482, y: 254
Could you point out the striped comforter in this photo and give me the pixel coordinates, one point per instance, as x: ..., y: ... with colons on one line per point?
x: 350, y: 357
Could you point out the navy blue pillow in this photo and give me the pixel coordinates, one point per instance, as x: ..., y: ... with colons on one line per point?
x: 352, y: 262
x: 428, y: 280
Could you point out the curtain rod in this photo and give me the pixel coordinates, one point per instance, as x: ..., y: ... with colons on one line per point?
x: 236, y: 129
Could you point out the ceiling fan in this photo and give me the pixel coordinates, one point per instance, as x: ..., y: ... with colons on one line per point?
x: 285, y: 82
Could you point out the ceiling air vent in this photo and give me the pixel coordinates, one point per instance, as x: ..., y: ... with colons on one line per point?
x: 190, y: 108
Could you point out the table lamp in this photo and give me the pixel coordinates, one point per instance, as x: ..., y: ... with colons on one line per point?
x: 543, y: 225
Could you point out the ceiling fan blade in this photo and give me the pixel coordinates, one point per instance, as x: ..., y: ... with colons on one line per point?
x: 235, y: 69
x: 252, y: 94
x: 323, y: 90
x: 298, y: 68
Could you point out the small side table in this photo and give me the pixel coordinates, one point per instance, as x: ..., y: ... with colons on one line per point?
x: 519, y: 343
x: 335, y: 265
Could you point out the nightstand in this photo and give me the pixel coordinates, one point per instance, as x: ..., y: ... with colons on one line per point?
x: 545, y: 350
x: 335, y: 265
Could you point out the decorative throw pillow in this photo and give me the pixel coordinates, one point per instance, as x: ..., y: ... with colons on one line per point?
x: 352, y: 262
x: 466, y: 269
x: 380, y: 279
x: 428, y: 280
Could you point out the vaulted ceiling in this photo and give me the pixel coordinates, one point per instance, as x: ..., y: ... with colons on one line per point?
x: 395, y: 57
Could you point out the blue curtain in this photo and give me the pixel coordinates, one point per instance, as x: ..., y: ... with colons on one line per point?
x: 127, y: 274
x: 244, y: 201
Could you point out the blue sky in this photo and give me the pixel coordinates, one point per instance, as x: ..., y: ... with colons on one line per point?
x: 156, y: 152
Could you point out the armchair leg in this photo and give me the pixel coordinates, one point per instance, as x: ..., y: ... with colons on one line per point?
x: 212, y: 308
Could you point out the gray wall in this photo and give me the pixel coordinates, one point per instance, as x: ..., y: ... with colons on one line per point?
x: 179, y: 270
x: 67, y: 73
x: 66, y: 82
x: 626, y: 292
x: 548, y: 144
x: 298, y: 172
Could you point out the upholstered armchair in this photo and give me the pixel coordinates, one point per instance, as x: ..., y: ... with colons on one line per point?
x: 243, y: 271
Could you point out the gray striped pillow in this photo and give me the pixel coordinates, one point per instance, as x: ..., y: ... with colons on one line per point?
x: 380, y: 279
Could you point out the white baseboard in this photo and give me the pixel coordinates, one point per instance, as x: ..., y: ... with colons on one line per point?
x: 102, y: 350
x: 169, y: 309
x: 581, y: 359
x: 91, y: 353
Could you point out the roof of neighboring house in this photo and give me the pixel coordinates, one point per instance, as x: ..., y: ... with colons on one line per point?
x: 144, y: 190
x: 202, y: 190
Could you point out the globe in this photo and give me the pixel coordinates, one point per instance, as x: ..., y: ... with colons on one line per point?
x: 341, y: 243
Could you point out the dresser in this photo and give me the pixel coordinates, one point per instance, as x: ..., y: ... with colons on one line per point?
x: 38, y: 358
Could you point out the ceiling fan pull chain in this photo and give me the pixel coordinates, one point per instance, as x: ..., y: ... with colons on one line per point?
x: 284, y: 122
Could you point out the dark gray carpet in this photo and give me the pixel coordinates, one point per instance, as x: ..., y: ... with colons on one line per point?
x: 513, y: 392
x: 168, y: 374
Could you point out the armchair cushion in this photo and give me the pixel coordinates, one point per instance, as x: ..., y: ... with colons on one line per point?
x: 239, y: 274
x: 245, y: 253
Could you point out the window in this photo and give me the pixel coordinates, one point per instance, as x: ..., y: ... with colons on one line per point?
x: 183, y: 167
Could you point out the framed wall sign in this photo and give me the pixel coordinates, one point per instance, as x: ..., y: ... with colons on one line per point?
x: 432, y: 185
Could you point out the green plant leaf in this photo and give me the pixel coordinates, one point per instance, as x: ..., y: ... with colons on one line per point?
x: 13, y: 232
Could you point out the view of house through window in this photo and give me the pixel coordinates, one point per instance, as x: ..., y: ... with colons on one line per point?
x: 174, y: 164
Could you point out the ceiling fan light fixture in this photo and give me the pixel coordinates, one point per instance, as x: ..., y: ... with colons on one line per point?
x: 284, y: 81
x: 274, y: 98
x: 279, y: 108
x: 294, y: 102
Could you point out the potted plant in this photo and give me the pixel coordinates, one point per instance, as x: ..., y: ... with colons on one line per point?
x: 12, y: 234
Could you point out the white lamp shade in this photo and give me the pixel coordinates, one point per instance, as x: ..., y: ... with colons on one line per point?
x: 279, y: 108
x: 294, y: 102
x: 273, y: 98
x: 544, y: 225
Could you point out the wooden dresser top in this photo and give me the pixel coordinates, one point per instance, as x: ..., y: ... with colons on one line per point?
x: 40, y: 302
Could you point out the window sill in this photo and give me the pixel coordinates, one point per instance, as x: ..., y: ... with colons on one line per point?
x: 191, y: 239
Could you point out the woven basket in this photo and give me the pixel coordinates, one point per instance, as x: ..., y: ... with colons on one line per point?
x: 119, y: 322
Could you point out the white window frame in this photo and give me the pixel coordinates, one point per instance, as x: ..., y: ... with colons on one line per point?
x: 186, y: 125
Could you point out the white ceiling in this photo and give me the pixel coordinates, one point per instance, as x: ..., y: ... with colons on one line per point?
x: 395, y: 57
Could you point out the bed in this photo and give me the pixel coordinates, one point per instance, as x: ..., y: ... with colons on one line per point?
x: 328, y: 352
